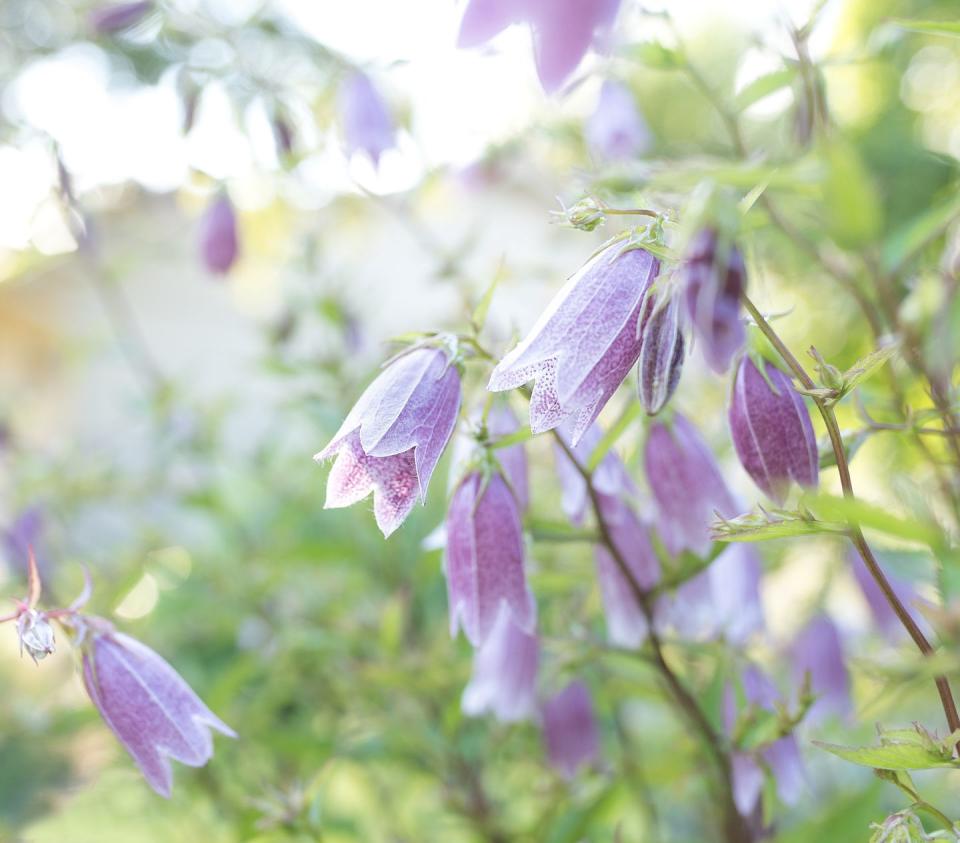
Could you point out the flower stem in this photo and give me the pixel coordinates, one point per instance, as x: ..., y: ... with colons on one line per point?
x: 856, y: 534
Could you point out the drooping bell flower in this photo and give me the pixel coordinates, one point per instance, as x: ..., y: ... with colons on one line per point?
x: 147, y: 704
x: 563, y: 30
x: 107, y: 20
x: 364, y: 118
x: 219, y: 238
x: 771, y: 430
x: 782, y: 756
x: 883, y: 615
x: 584, y: 344
x: 661, y: 352
x: 626, y: 622
x: 610, y: 477
x: 723, y: 601
x: 484, y: 559
x: 714, y: 277
x: 502, y: 422
x: 818, y: 651
x: 392, y: 439
x: 504, y: 680
x: 570, y: 730
x: 615, y: 130
x: 686, y: 484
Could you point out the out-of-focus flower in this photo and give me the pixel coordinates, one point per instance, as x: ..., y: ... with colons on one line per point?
x: 283, y: 135
x: 504, y: 680
x: 661, y: 352
x: 722, y: 601
x: 609, y: 478
x: 35, y: 634
x: 713, y: 278
x: 147, y: 704
x: 570, y: 730
x: 364, y: 118
x: 771, y: 430
x: 24, y: 533
x: 883, y: 615
x: 484, y: 559
x: 626, y: 622
x: 818, y: 650
x: 782, y: 756
x: 616, y: 130
x: 393, y: 437
x: 585, y: 343
x: 106, y: 20
x: 563, y: 30
x: 219, y: 238
x: 686, y: 484
x: 502, y: 422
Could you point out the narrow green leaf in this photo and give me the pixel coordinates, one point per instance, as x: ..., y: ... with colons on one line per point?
x: 854, y: 511
x: 912, y: 237
x: 893, y: 755
x: 631, y: 412
x: 765, y: 526
x: 518, y: 437
x: 764, y: 86
x: 480, y: 312
x: 866, y: 366
x: 932, y: 27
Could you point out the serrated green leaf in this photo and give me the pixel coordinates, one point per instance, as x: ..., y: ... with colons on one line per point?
x: 759, y: 527
x: 866, y: 366
x: 763, y: 86
x: 894, y: 755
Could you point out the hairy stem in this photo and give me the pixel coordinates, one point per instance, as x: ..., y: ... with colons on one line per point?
x: 856, y: 534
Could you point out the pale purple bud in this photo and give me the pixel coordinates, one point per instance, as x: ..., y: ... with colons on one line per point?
x: 364, y: 118
x: 504, y: 680
x: 818, y: 650
x: 661, y: 353
x: 484, y: 559
x: 747, y: 778
x: 584, y: 344
x: 501, y: 422
x: 616, y: 130
x: 786, y: 763
x: 563, y: 31
x: 219, y: 239
x: 570, y: 730
x: 392, y: 439
x: 107, y: 20
x: 610, y: 477
x: 714, y: 277
x: 626, y: 622
x: 686, y: 484
x: 147, y: 705
x: 483, y: 19
x: 771, y: 430
x: 35, y: 634
x: 722, y: 601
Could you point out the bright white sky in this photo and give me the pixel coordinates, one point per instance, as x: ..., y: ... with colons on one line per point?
x: 460, y: 101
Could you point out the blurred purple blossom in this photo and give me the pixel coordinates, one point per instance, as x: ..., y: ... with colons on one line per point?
x: 219, y: 238
x: 584, y: 344
x: 504, y: 680
x: 686, y: 484
x: 771, y: 430
x: 883, y: 615
x: 24, y: 533
x: 570, y: 730
x: 106, y: 20
x: 501, y: 422
x: 364, y: 118
x: 147, y: 704
x: 615, y: 130
x: 626, y: 622
x: 818, y: 649
x: 563, y: 30
x: 484, y: 562
x: 392, y: 439
x: 713, y: 278
x: 610, y: 477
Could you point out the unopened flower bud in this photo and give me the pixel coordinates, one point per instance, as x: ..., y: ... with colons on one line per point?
x: 36, y: 635
x: 585, y: 215
x: 661, y: 353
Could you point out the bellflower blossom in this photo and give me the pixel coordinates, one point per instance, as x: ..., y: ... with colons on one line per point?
x: 771, y: 430
x: 563, y: 30
x: 570, y: 730
x: 108, y: 20
x: 219, y: 239
x: 364, y: 118
x: 782, y: 756
x: 504, y: 680
x: 818, y: 650
x: 883, y: 615
x: 484, y: 559
x: 585, y: 343
x: 147, y: 704
x: 714, y: 277
x: 662, y: 349
x: 686, y: 484
x: 615, y: 130
x: 392, y: 439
